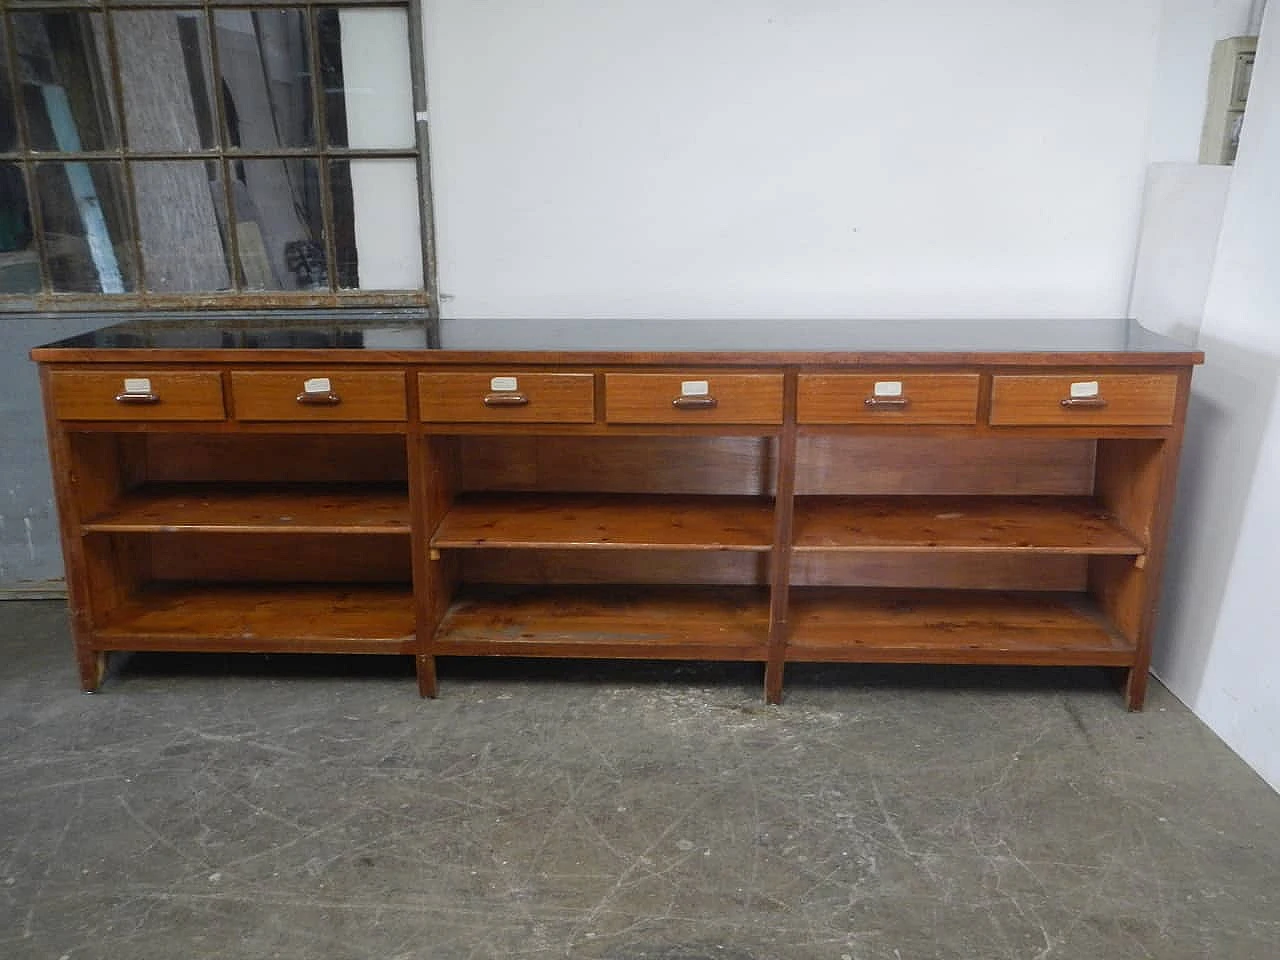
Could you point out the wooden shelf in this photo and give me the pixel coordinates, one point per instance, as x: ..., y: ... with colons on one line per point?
x: 1059, y: 525
x: 223, y: 508
x: 945, y: 626
x: 617, y: 522
x: 706, y: 623
x: 275, y: 618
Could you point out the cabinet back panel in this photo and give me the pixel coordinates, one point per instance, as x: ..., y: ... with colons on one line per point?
x: 941, y: 571
x: 859, y: 464
x: 282, y: 458
x: 273, y: 558
x: 713, y: 465
x: 605, y: 566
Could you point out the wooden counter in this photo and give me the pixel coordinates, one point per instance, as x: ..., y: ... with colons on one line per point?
x: 945, y: 492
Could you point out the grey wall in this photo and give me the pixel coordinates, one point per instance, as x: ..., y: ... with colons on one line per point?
x: 30, y: 560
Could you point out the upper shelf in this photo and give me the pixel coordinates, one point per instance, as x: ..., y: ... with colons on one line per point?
x: 608, y: 522
x: 256, y: 508
x: 1062, y: 525
x: 749, y: 341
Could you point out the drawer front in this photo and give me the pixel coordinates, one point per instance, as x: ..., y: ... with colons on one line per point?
x: 304, y: 395
x: 506, y: 397
x: 693, y: 397
x: 888, y: 398
x: 1117, y: 399
x: 126, y: 394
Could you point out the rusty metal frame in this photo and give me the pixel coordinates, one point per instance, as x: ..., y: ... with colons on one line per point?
x: 237, y: 298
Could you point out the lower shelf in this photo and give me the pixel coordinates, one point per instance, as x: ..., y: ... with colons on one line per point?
x: 274, y: 618
x: 951, y: 626
x: 628, y: 622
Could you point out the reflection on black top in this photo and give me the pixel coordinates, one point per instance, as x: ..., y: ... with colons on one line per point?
x: 632, y: 335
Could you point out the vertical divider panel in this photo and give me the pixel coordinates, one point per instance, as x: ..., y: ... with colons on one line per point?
x: 784, y: 514
x: 419, y: 536
x: 433, y: 477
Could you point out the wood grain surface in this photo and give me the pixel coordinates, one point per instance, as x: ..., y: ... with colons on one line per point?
x: 607, y: 522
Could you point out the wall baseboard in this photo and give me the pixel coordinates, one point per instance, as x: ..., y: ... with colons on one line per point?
x: 40, y: 590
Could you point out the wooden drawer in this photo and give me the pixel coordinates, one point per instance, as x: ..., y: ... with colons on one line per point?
x: 351, y: 395
x: 888, y: 398
x: 680, y: 397
x: 1122, y: 399
x: 150, y: 394
x: 506, y: 397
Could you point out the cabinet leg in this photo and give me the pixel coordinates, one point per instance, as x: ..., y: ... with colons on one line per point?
x: 93, y: 667
x: 773, y: 682
x: 426, y: 665
x: 1135, y: 687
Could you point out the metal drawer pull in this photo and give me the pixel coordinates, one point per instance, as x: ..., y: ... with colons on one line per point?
x: 317, y: 399
x: 505, y: 398
x: 318, y: 391
x: 1083, y: 402
x: 877, y: 402
x: 703, y: 402
x: 127, y: 397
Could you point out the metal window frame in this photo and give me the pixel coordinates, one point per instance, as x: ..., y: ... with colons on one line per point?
x: 222, y: 154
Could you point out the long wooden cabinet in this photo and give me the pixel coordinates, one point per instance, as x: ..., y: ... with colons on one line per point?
x: 921, y: 501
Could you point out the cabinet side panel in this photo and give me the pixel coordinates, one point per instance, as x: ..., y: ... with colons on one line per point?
x: 1127, y: 483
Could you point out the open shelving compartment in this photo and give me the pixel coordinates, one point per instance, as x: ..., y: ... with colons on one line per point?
x: 251, y: 542
x: 619, y: 546
x: 986, y: 550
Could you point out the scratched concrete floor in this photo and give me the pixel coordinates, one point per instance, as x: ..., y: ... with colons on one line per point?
x: 316, y: 808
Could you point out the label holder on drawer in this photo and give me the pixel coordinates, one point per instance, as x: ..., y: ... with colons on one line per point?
x: 505, y: 392
x: 137, y: 390
x: 1084, y: 393
x: 694, y: 395
x: 318, y: 391
x: 886, y: 394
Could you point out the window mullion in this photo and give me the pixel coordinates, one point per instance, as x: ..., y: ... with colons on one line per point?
x: 224, y: 162
x: 322, y: 149
x: 422, y: 140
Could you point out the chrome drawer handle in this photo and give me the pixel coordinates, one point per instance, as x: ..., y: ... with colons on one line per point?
x: 703, y: 402
x: 318, y: 399
x: 506, y: 398
x: 1095, y: 402
x: 877, y: 402
x: 127, y: 397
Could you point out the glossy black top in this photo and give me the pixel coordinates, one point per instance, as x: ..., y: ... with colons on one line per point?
x: 392, y: 333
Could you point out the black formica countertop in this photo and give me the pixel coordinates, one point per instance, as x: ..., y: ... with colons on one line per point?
x: 397, y: 336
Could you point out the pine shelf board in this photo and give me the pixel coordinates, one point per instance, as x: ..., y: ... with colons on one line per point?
x: 1058, y: 525
x: 256, y: 508
x: 709, y: 623
x: 265, y: 618
x: 951, y: 626
x: 601, y: 522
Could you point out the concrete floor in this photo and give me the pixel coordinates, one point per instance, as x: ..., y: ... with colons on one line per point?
x: 247, y: 807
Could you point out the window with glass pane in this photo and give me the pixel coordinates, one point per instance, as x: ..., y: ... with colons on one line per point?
x: 252, y: 150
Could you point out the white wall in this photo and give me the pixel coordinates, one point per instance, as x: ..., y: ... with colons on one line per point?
x: 1221, y: 621
x: 727, y: 158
